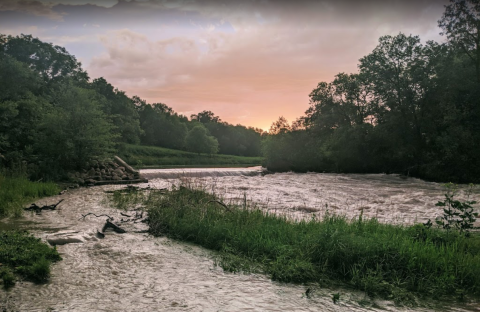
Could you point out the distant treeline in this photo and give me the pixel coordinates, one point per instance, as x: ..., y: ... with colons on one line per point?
x: 53, y: 119
x: 412, y: 108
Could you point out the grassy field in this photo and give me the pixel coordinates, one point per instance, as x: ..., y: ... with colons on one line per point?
x: 390, y: 261
x: 15, y: 192
x: 157, y: 157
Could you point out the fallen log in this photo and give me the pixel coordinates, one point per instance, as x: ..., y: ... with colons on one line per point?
x: 113, y: 226
x: 36, y: 208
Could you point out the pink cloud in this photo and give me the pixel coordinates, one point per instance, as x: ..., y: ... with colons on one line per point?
x: 263, y: 69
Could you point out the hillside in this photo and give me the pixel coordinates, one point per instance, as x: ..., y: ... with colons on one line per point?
x: 141, y: 156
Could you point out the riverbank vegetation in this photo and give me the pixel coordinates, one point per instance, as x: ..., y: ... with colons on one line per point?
x: 20, y: 253
x: 412, y: 108
x: 391, y: 261
x: 157, y: 157
x: 17, y: 191
x: 26, y: 256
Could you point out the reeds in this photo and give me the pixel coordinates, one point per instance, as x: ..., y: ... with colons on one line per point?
x: 18, y: 191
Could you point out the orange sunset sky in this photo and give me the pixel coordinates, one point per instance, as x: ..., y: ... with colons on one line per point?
x: 247, y: 61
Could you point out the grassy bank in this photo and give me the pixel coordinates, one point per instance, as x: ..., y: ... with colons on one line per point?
x: 20, y: 253
x: 15, y: 192
x: 157, y: 157
x: 24, y: 255
x: 390, y: 261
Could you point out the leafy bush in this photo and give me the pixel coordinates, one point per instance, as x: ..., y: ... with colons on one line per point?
x: 456, y: 214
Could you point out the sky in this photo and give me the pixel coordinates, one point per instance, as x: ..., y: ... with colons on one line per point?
x: 248, y: 61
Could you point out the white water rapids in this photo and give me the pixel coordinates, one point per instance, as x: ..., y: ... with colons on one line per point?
x: 137, y: 272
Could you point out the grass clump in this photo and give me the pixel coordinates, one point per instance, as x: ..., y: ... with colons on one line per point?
x: 24, y: 255
x: 391, y: 261
x: 141, y: 156
x: 127, y: 198
x: 15, y: 192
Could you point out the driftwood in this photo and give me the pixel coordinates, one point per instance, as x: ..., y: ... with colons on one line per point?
x: 109, y: 225
x: 138, y: 217
x: 133, y: 188
x: 92, y: 214
x: 113, y: 226
x: 36, y: 208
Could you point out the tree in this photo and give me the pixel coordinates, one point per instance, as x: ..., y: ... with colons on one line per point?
x: 205, y: 117
x: 346, y: 101
x: 400, y: 72
x: 198, y: 141
x: 74, y: 131
x: 51, y: 62
x: 461, y: 24
x: 21, y: 109
x: 121, y: 111
x: 161, y: 125
x: 279, y: 126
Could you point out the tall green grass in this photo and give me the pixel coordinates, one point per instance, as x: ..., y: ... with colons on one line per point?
x: 390, y: 261
x: 141, y: 156
x: 15, y: 192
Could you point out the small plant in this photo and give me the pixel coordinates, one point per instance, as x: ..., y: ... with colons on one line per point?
x: 8, y: 278
x: 335, y: 297
x: 308, y: 293
x: 457, y: 214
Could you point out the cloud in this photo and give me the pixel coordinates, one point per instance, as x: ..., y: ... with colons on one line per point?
x: 103, y: 3
x: 267, y: 66
x: 247, y: 61
x: 31, y: 7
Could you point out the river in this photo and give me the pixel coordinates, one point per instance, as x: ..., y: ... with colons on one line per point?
x: 137, y: 272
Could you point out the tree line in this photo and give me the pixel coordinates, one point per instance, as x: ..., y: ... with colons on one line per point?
x: 55, y: 119
x: 412, y: 108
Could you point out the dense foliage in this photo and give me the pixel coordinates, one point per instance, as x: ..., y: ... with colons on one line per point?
x: 53, y: 119
x: 412, y: 108
x: 232, y: 140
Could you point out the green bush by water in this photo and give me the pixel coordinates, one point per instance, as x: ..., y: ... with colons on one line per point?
x: 25, y: 255
x: 15, y: 192
x: 390, y: 261
x: 141, y: 156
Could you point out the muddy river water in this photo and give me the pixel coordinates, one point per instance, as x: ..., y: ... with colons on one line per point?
x: 137, y: 272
